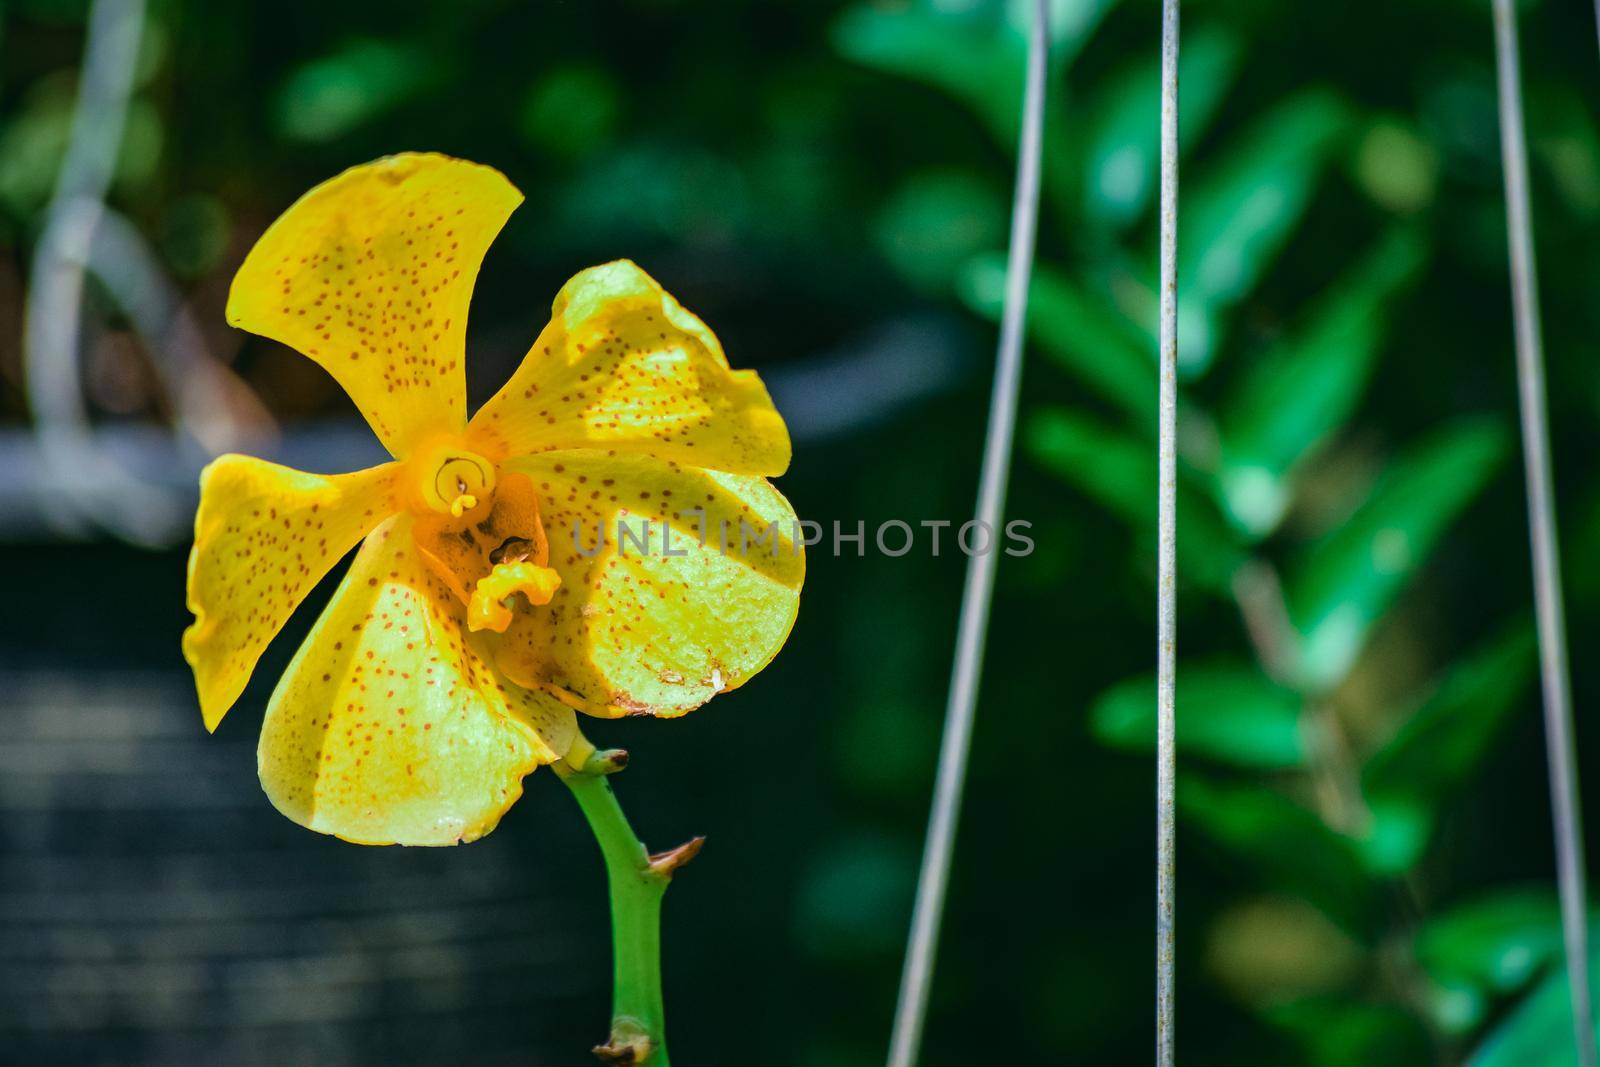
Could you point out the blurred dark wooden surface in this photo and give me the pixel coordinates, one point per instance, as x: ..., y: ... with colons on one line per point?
x: 155, y: 909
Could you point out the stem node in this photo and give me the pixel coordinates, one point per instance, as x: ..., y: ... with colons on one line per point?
x: 629, y: 1044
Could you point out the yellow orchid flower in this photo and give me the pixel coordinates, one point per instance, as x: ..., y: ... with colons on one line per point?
x: 476, y: 618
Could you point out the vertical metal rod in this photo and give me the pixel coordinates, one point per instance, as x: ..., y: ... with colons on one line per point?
x: 1167, y: 540
x: 917, y: 977
x: 1565, y: 811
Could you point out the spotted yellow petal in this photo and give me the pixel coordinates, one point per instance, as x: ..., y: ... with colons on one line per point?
x: 370, y: 274
x: 389, y: 727
x: 655, y: 622
x: 622, y: 366
x: 263, y: 537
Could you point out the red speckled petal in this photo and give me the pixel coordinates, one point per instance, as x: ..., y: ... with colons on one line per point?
x: 370, y: 274
x: 263, y: 538
x: 622, y: 366
x: 389, y: 727
x: 657, y: 631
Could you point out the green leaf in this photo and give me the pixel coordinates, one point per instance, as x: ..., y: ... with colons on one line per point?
x: 1123, y: 144
x: 1081, y: 333
x: 975, y: 53
x: 1438, y: 748
x: 1494, y: 944
x: 1538, y: 1032
x: 572, y: 110
x: 1347, y: 581
x: 1229, y: 712
x: 33, y: 142
x: 1103, y: 462
x: 1396, y: 166
x: 332, y: 96
x: 980, y: 66
x: 936, y: 222
x: 1238, y: 213
x: 1339, y: 1031
x: 1285, y: 846
x: 1304, y: 388
x: 1120, y: 473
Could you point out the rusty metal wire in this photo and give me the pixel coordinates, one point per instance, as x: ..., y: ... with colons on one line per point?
x: 1166, y: 539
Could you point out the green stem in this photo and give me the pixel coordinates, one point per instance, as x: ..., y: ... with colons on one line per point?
x: 637, y: 883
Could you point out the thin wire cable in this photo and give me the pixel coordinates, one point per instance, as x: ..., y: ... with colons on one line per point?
x: 1564, y: 805
x: 1167, y: 541
x: 917, y: 976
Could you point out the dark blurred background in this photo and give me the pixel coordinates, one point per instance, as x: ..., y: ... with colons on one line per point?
x: 1365, y: 852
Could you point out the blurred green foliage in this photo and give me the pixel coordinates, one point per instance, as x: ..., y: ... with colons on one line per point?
x: 1315, y: 780
x: 1361, y: 795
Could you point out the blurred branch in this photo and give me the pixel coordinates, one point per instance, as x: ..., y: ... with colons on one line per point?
x: 87, y: 484
x: 52, y: 333
x: 1259, y: 593
x: 211, y: 404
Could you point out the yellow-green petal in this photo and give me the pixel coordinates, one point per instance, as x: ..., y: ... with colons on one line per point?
x: 264, y: 536
x: 622, y: 366
x: 660, y: 630
x: 370, y: 275
x: 389, y: 726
